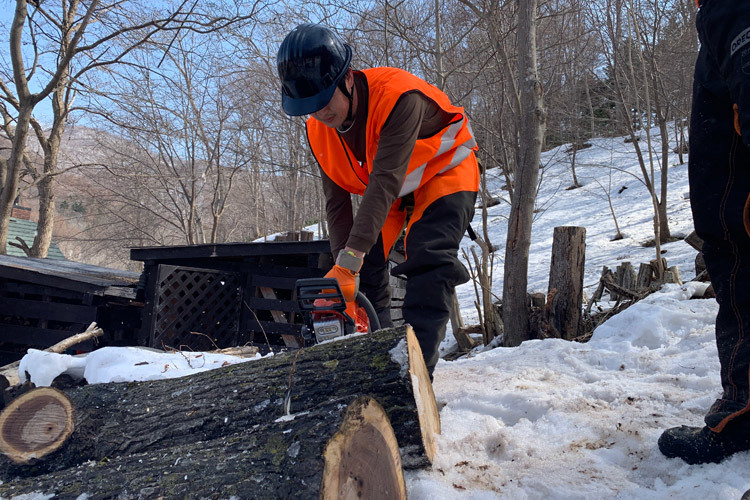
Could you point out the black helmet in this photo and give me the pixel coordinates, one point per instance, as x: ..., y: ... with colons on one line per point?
x: 311, y: 62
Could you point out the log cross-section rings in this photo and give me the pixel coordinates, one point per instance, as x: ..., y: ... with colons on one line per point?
x: 35, y: 424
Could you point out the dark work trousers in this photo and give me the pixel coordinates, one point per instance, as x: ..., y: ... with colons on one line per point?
x: 432, y: 270
x: 719, y: 171
x: 374, y: 283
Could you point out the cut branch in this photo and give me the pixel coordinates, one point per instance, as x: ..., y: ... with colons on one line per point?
x: 10, y: 371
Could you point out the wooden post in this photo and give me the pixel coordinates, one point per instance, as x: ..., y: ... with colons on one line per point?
x: 566, y: 276
x: 538, y: 300
x: 655, y: 266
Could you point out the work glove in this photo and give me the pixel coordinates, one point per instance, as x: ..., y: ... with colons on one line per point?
x: 348, y: 281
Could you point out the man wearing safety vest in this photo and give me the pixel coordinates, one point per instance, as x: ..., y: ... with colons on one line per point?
x: 719, y: 172
x: 391, y: 137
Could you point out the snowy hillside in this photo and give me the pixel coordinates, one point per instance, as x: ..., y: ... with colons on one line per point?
x: 609, y: 165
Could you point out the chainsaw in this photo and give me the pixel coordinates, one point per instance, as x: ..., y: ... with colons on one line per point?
x: 326, y: 313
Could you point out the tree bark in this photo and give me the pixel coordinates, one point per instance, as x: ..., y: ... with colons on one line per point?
x: 566, y: 276
x: 43, y: 238
x: 344, y: 448
x: 119, y: 419
x: 515, y: 310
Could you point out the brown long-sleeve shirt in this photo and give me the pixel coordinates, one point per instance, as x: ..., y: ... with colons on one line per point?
x: 413, y: 117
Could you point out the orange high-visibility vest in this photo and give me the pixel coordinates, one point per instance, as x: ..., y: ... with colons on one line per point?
x: 432, y: 156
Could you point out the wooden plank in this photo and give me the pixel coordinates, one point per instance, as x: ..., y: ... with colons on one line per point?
x: 694, y: 241
x: 77, y: 271
x: 257, y: 303
x: 40, y: 337
x: 118, y: 291
x: 273, y: 282
x: 49, y: 280
x: 93, y: 286
x: 268, y: 293
x: 52, y: 311
x: 15, y: 287
x: 224, y: 250
x: 281, y: 271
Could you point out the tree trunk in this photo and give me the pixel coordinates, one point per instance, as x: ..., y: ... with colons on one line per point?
x: 515, y: 310
x: 43, y: 238
x: 344, y: 448
x: 566, y: 277
x: 120, y: 419
x: 13, y: 177
x: 664, y: 233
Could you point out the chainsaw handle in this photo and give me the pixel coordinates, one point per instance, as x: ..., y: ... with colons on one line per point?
x: 372, y: 316
x: 311, y: 289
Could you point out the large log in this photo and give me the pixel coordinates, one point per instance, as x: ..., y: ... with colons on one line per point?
x: 119, y: 419
x: 342, y: 449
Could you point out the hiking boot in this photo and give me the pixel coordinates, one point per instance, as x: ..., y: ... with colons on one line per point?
x: 700, y: 445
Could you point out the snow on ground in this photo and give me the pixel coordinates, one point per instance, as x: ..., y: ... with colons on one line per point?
x: 561, y: 420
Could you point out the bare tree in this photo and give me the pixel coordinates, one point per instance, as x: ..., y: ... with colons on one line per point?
x: 532, y: 123
x: 65, y: 44
x: 175, y: 145
x: 650, y: 48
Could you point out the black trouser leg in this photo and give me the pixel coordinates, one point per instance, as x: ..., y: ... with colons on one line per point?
x: 432, y: 269
x: 719, y: 172
x: 374, y: 283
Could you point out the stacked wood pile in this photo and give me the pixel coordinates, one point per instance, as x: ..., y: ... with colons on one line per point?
x: 336, y: 420
x: 626, y: 286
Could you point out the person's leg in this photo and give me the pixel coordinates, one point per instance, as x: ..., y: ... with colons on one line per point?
x: 374, y: 283
x: 432, y: 268
x: 719, y: 169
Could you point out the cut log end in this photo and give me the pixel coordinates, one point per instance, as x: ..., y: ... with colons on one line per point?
x: 35, y: 424
x: 362, y: 459
x: 424, y: 396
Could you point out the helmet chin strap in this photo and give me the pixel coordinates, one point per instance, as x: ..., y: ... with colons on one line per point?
x: 350, y: 96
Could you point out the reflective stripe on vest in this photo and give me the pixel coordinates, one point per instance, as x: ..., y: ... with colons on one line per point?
x: 448, y: 141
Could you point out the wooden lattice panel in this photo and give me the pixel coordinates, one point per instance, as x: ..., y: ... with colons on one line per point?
x: 196, y: 309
